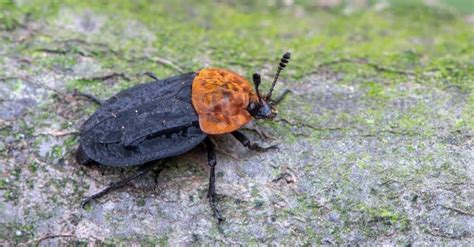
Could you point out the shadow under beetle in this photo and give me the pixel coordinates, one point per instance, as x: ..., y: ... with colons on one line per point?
x: 169, y: 117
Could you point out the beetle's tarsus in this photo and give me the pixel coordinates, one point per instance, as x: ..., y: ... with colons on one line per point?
x: 256, y: 147
x: 211, y: 194
x: 98, y: 195
x: 147, y: 167
x: 90, y: 97
x: 251, y: 145
x: 151, y: 75
x: 85, y: 202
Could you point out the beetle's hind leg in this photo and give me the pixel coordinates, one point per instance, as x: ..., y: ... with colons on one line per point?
x: 251, y: 145
x: 211, y: 161
x: 147, y: 167
x: 88, y: 96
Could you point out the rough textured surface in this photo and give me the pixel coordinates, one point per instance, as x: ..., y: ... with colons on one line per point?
x: 376, y: 141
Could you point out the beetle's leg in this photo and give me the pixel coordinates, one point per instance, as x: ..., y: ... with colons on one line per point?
x: 88, y: 96
x: 251, y: 145
x: 278, y: 99
x: 151, y: 75
x: 211, y: 161
x: 147, y: 167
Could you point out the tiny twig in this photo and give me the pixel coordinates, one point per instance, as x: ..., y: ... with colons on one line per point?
x: 439, y: 233
x: 54, y: 51
x: 107, y: 77
x: 390, y: 131
x: 373, y: 134
x: 41, y: 239
x: 61, y: 52
x: 299, y: 124
x: 168, y: 63
x: 69, y: 49
x: 457, y: 210
x: 80, y: 41
x: 57, y: 133
x: 9, y: 78
x: 283, y: 176
x: 364, y: 61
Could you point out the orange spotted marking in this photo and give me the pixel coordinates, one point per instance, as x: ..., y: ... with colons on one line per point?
x: 220, y: 97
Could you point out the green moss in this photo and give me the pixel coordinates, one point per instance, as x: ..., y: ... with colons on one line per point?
x: 55, y: 61
x: 141, y: 202
x: 374, y: 89
x: 3, y: 184
x: 56, y: 152
x: 382, y: 215
x: 33, y: 167
x: 385, y: 37
x: 16, y: 173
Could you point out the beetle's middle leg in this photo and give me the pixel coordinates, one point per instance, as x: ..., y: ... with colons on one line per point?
x: 251, y: 145
x: 211, y: 161
x: 147, y: 167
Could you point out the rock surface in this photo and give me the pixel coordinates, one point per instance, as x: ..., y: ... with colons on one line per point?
x: 376, y: 140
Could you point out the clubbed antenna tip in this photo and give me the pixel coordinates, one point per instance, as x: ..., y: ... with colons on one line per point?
x: 283, y: 62
x: 256, y: 81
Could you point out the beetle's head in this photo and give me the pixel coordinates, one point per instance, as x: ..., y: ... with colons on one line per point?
x: 264, y: 108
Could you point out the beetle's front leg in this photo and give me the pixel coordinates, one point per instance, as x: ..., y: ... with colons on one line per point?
x: 251, y: 145
x: 282, y: 96
x: 211, y: 161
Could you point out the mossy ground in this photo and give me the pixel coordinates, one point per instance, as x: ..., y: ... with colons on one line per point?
x: 375, y: 140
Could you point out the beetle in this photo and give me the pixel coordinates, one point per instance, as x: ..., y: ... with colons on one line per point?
x: 169, y: 117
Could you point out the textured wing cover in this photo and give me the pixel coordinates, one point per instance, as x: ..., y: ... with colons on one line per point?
x: 144, y: 123
x: 220, y: 98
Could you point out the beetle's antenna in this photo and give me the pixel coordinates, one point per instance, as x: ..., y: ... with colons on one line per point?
x: 256, y: 81
x: 283, y: 62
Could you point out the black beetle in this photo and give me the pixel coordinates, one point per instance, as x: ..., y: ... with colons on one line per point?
x: 169, y: 117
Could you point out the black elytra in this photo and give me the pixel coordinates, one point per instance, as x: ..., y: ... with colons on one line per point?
x: 150, y: 122
x: 144, y: 123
